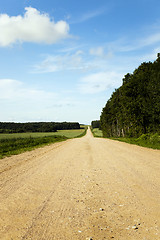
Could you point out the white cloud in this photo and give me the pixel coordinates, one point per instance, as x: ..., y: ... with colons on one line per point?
x: 32, y: 27
x: 99, y: 51
x: 14, y: 90
x: 99, y: 82
x: 78, y: 60
x: 149, y: 56
x: 128, y: 45
x: 150, y: 40
x: 63, y: 62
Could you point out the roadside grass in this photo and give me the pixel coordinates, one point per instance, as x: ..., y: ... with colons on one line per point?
x: 14, y: 146
x: 97, y: 132
x: 83, y: 133
x: 146, y: 140
x: 72, y: 133
x: 16, y: 143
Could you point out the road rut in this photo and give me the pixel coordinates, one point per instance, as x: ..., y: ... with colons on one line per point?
x: 84, y: 188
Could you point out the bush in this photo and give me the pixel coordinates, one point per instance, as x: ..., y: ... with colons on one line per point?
x: 154, y: 139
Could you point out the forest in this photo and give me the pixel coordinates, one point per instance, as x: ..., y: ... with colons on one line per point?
x: 11, y: 127
x: 134, y: 108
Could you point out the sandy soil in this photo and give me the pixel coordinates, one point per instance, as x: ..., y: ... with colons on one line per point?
x: 86, y: 188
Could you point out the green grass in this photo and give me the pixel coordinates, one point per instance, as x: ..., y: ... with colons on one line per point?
x: 13, y: 146
x: 145, y: 140
x: 66, y: 133
x: 96, y: 132
x: 72, y: 133
x: 16, y: 143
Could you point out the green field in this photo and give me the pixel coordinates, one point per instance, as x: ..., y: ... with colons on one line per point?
x: 16, y: 143
x: 97, y: 133
x: 67, y: 133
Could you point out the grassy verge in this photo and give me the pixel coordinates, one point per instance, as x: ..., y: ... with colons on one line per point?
x: 83, y: 133
x: 145, y: 140
x: 72, y: 133
x: 96, y: 132
x: 13, y: 146
x: 16, y: 143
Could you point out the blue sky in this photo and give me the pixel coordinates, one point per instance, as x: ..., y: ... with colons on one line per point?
x: 61, y: 60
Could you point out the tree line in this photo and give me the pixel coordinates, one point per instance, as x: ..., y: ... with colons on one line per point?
x: 95, y: 124
x: 12, y: 127
x: 134, y: 108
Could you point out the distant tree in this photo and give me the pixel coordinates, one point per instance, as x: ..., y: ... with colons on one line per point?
x: 95, y: 124
x: 11, y: 127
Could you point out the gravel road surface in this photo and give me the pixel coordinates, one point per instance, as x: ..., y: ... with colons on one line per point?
x: 86, y: 188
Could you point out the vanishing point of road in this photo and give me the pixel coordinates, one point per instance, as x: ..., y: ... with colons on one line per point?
x: 84, y: 188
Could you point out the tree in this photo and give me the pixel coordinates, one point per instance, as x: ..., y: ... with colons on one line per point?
x: 134, y: 108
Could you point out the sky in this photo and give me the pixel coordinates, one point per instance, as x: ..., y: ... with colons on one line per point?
x: 60, y: 60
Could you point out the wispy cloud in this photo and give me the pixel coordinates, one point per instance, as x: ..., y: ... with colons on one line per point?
x: 101, y: 52
x: 63, y: 62
x: 99, y: 82
x: 150, y: 40
x: 71, y: 59
x: 88, y: 15
x: 98, y: 51
x: 128, y: 45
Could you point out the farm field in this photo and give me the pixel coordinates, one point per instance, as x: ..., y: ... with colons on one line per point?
x: 17, y: 143
x: 67, y: 133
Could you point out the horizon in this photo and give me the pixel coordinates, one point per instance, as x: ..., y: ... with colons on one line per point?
x: 49, y: 122
x: 62, y: 61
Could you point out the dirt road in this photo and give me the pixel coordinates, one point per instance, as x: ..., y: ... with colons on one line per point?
x: 86, y: 188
